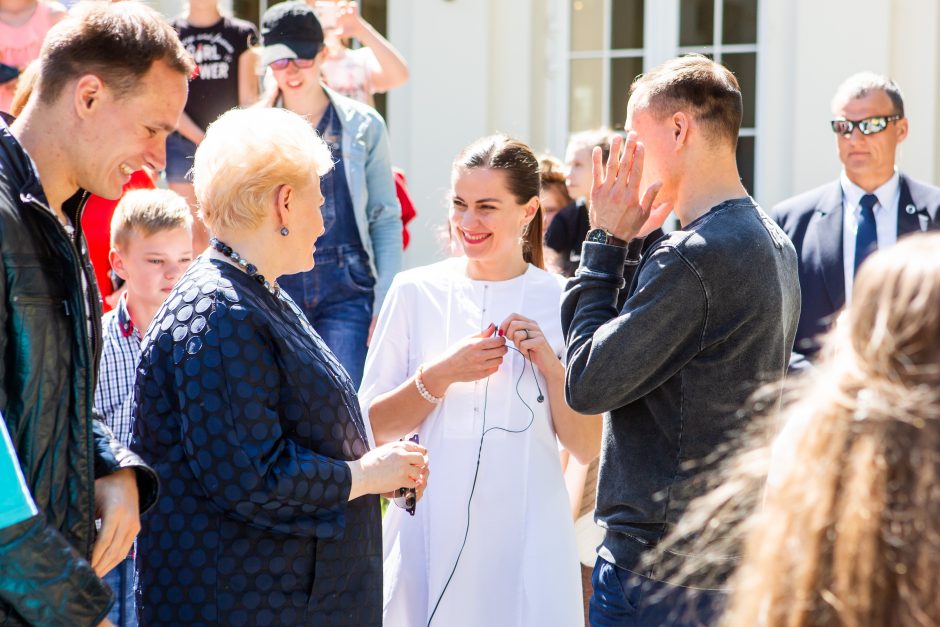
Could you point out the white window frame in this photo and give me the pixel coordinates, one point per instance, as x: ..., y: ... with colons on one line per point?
x: 661, y: 43
x: 605, y: 54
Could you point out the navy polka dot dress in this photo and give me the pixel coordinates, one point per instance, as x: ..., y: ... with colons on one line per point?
x: 247, y: 417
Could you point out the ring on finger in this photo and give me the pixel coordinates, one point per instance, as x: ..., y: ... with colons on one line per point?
x: 527, y: 336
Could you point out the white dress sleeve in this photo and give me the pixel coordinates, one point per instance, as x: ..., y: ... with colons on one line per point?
x: 387, y: 360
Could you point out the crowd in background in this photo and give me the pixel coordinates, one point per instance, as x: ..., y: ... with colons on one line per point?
x: 214, y: 362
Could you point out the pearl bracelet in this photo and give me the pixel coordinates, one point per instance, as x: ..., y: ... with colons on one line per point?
x: 423, y: 391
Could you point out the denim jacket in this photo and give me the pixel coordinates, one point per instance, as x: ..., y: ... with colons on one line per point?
x: 368, y: 167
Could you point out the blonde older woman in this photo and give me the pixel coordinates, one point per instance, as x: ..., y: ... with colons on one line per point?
x: 251, y: 423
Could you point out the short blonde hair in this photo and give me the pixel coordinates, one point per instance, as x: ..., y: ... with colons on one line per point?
x: 246, y: 156
x: 599, y: 137
x: 148, y: 211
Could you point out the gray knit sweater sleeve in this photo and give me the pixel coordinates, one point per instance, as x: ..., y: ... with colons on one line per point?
x: 616, y: 357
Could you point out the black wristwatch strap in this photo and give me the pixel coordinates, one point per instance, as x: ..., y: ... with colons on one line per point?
x: 615, y: 241
x: 634, y: 251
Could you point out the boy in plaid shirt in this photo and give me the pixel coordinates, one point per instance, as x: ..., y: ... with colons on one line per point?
x: 151, y: 248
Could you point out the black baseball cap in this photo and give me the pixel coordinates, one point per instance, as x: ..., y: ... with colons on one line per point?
x: 290, y: 30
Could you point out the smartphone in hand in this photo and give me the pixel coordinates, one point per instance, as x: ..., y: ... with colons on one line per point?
x: 407, y: 498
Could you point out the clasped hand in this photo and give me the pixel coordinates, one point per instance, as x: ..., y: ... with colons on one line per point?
x: 481, y: 354
x: 395, y: 465
x: 615, y: 193
x: 529, y: 339
x: 473, y: 358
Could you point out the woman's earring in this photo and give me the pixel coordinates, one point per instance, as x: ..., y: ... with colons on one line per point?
x: 284, y: 231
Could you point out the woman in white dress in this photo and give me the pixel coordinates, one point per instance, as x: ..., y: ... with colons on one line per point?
x: 466, y: 353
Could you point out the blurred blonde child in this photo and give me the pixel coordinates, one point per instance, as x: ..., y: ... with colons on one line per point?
x: 151, y: 248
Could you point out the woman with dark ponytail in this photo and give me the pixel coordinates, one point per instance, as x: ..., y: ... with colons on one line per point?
x: 466, y: 354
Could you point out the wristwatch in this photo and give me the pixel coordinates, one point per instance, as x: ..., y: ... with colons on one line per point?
x: 603, y: 236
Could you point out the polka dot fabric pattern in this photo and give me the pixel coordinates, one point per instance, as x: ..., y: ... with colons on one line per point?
x: 248, y: 419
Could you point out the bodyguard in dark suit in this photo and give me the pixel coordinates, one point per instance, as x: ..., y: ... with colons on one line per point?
x: 836, y: 226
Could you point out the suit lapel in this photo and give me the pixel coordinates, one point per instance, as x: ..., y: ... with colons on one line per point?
x: 911, y: 217
x: 827, y: 229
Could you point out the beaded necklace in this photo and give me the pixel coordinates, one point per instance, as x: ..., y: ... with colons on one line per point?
x: 249, y: 268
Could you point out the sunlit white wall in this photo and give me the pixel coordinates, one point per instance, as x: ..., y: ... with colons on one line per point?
x: 482, y: 66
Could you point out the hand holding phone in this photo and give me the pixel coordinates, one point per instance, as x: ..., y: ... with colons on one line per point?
x: 407, y: 498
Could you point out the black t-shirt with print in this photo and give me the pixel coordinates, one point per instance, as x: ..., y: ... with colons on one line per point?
x: 216, y: 49
x: 566, y: 233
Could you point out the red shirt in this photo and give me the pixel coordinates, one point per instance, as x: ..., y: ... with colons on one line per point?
x: 407, y: 206
x: 96, y: 224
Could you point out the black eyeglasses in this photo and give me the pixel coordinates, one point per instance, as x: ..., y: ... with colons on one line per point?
x: 407, y: 498
x: 281, y: 64
x: 868, y: 126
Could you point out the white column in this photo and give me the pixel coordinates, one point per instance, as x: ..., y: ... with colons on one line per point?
x: 914, y: 65
x: 660, y: 32
x: 509, y: 84
x: 775, y: 104
x: 554, y: 50
x: 444, y: 105
x: 170, y: 8
x: 835, y: 39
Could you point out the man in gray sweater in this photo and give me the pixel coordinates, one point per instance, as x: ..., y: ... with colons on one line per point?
x: 710, y: 315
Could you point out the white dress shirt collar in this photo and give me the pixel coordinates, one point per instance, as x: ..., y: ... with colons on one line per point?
x: 886, y: 220
x: 887, y: 193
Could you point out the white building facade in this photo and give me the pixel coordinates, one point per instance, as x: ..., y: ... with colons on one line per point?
x: 541, y: 69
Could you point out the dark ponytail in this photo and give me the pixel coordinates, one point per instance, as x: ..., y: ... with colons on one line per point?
x: 519, y: 163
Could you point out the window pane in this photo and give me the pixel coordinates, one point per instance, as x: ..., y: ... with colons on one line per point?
x: 376, y: 13
x: 696, y: 22
x: 626, y: 24
x: 739, y: 22
x: 587, y: 24
x: 746, y: 162
x: 622, y: 73
x: 744, y: 66
x: 247, y: 10
x: 586, y: 90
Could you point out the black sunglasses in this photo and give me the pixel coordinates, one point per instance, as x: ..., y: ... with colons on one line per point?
x: 407, y: 498
x: 868, y: 126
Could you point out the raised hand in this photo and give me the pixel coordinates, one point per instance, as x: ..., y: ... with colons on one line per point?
x: 348, y: 21
x: 616, y: 205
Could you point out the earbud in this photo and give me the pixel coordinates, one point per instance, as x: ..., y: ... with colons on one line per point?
x: 541, y: 397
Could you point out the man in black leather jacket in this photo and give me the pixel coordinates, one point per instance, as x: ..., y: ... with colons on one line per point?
x: 112, y: 85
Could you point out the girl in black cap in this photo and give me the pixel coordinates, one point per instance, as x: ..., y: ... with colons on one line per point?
x: 361, y: 250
